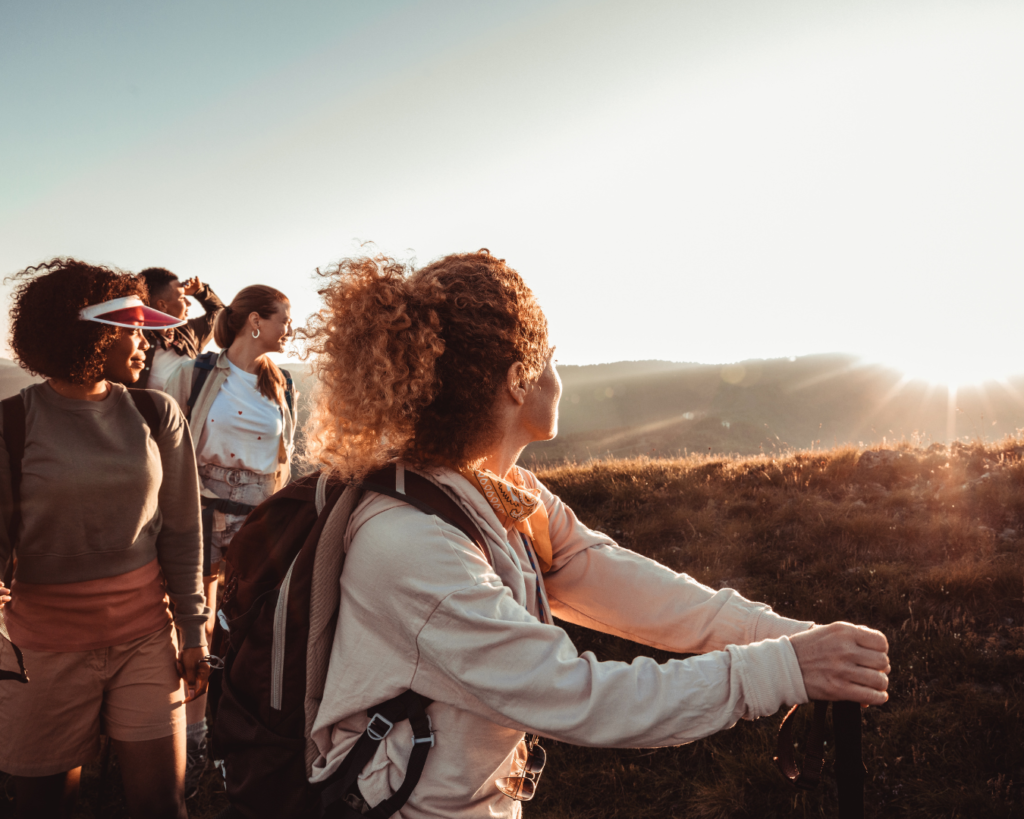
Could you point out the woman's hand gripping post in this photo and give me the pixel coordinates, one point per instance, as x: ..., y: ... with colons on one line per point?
x: 842, y: 661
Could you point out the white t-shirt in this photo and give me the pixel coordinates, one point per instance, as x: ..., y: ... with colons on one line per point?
x: 244, y: 427
x: 164, y: 362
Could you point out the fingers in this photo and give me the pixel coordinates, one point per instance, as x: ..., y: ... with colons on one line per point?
x: 870, y: 639
x: 202, y: 678
x: 194, y: 668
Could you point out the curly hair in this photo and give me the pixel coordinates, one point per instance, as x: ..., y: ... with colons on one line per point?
x: 233, y: 319
x: 46, y: 334
x: 410, y: 362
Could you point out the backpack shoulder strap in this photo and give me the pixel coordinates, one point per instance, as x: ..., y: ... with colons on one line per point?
x: 146, y: 406
x: 289, y: 393
x: 14, y: 440
x: 201, y: 369
x: 432, y: 500
x: 427, y: 497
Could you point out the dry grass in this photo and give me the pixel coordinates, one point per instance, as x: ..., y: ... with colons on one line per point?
x: 925, y: 545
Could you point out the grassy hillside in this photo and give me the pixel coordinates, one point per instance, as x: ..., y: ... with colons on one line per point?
x: 926, y: 545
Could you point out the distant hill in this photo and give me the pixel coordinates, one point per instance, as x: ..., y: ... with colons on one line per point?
x: 13, y: 379
x: 667, y: 409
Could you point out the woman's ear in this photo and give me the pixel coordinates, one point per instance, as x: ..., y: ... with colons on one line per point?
x: 515, y: 382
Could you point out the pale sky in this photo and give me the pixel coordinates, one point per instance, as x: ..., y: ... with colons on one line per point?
x: 698, y: 180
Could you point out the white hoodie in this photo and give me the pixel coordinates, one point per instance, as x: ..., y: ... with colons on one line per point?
x: 423, y: 608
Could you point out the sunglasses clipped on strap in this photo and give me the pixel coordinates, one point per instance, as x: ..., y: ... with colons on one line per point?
x: 523, y: 786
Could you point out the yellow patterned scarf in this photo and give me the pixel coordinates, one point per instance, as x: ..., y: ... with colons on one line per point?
x: 514, y: 504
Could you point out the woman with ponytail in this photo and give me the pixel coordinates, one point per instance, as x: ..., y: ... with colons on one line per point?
x: 243, y: 424
x: 447, y: 372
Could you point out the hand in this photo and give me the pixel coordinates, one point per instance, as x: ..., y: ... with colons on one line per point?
x: 194, y: 670
x: 192, y: 286
x: 5, y: 595
x: 842, y: 661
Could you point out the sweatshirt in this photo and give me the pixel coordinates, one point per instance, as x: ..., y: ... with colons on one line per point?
x: 101, y: 496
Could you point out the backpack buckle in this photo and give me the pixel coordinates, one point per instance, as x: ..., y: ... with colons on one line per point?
x: 420, y: 740
x: 379, y: 727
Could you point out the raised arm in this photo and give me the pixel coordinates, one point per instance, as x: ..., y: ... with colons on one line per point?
x: 202, y: 325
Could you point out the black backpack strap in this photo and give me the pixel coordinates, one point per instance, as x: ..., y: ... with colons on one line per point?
x: 432, y: 500
x: 146, y: 406
x: 289, y: 393
x: 14, y: 440
x: 427, y: 497
x: 407, y: 705
x: 201, y: 369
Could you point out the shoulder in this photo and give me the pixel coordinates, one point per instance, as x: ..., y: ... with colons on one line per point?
x: 391, y: 539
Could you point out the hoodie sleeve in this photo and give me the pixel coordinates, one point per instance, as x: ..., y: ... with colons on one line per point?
x: 596, y: 583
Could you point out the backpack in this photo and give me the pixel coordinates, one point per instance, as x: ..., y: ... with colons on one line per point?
x: 277, y: 623
x: 14, y: 440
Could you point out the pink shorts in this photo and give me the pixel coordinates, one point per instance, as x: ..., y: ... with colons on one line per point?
x: 130, y: 692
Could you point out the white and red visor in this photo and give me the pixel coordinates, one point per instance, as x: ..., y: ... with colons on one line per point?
x: 130, y: 311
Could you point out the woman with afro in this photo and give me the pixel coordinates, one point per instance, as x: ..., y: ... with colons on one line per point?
x: 100, y: 503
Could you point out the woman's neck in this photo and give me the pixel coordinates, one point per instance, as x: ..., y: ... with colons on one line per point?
x: 244, y: 351
x: 96, y: 391
x: 500, y: 459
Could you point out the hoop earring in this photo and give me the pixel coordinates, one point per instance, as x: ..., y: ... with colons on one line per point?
x: 256, y: 333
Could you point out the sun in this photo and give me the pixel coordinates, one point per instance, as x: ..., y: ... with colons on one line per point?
x: 937, y: 364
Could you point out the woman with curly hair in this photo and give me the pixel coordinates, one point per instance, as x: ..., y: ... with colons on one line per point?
x: 101, y: 525
x: 243, y: 424
x: 447, y: 372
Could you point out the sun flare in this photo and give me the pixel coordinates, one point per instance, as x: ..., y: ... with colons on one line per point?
x: 956, y: 369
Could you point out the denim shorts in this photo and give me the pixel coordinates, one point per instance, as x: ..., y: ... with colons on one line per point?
x: 239, y: 485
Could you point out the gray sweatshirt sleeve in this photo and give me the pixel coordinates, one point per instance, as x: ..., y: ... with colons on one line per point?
x: 179, y: 544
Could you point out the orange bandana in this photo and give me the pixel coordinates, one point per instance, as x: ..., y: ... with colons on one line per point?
x: 517, y: 506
